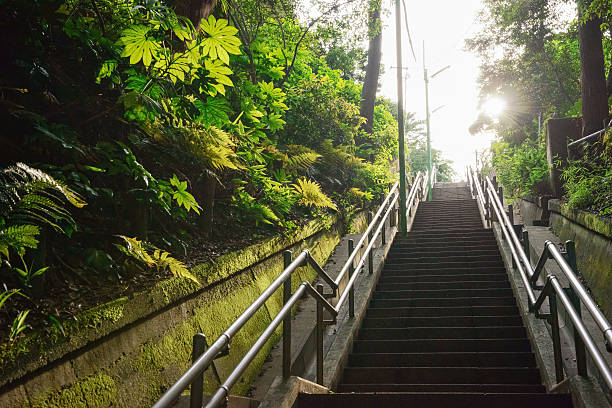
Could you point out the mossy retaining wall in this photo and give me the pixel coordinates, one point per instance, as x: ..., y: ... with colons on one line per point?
x: 593, y: 237
x: 127, y: 352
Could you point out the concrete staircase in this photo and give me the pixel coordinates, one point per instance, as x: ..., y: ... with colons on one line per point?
x: 443, y: 328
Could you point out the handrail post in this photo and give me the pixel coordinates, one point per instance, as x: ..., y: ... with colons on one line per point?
x: 287, y: 320
x: 554, y: 325
x: 383, y: 235
x: 525, y: 239
x: 581, y: 365
x: 197, y: 386
x: 320, y: 329
x: 370, y: 254
x: 351, y: 270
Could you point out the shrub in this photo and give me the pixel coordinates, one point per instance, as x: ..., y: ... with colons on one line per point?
x: 520, y: 168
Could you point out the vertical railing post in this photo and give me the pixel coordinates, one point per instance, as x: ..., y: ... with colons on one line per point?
x: 320, y: 330
x: 287, y: 320
x: 351, y: 270
x: 371, y: 253
x: 581, y: 359
x: 197, y: 386
x: 383, y: 234
x: 525, y: 239
x: 554, y: 325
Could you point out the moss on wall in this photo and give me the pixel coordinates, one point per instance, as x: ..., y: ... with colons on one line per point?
x: 132, y: 367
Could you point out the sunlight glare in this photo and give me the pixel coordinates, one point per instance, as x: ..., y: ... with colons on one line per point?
x: 494, y: 107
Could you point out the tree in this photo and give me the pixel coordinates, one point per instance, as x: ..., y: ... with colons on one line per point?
x: 592, y: 79
x: 195, y: 10
x: 530, y: 57
x: 370, y: 84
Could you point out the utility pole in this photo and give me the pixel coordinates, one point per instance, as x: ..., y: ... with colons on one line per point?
x: 426, y: 77
x: 400, y: 121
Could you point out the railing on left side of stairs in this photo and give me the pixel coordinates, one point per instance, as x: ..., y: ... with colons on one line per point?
x: 204, y: 359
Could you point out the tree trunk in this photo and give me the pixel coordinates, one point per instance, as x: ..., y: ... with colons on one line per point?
x: 195, y: 10
x: 609, y: 77
x: 370, y: 84
x: 592, y: 79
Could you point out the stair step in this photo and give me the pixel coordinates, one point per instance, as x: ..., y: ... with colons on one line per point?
x: 441, y: 302
x: 440, y: 345
x: 397, y: 293
x: 442, y: 375
x: 447, y: 251
x: 452, y: 321
x: 493, y: 258
x: 468, y: 234
x: 445, y: 388
x: 433, y: 285
x: 390, y: 265
x: 494, y: 332
x: 443, y: 311
x: 390, y: 277
x: 484, y: 359
x: 465, y: 400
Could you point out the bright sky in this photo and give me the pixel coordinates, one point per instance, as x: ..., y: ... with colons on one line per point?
x: 443, y: 25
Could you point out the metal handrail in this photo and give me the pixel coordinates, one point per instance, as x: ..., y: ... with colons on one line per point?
x: 578, y: 294
x: 361, y: 242
x: 223, y: 391
x: 588, y: 137
x: 479, y: 194
x: 195, y: 372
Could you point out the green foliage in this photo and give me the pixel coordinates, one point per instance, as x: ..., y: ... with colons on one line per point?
x: 18, y: 237
x: 310, y: 194
x: 588, y: 183
x: 6, y: 294
x: 27, y: 273
x: 159, y: 259
x: 522, y: 168
x: 318, y: 111
x: 530, y: 57
x: 18, y: 325
x: 251, y: 210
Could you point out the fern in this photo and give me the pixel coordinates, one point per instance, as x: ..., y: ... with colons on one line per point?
x: 358, y: 195
x: 211, y: 147
x: 299, y: 158
x: 251, y: 209
x: 18, y: 237
x: 29, y: 198
x: 310, y: 194
x: 159, y: 259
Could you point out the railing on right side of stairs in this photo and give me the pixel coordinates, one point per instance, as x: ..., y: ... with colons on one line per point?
x: 203, y: 359
x: 572, y: 298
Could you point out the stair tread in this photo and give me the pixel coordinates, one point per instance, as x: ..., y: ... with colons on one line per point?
x: 442, y: 328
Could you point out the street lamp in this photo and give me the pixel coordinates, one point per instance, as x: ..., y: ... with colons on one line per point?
x: 427, y: 114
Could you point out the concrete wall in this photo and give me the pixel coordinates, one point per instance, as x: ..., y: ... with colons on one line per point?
x: 593, y: 238
x: 127, y: 352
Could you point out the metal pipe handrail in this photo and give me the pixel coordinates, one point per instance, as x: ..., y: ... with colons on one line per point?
x: 361, y: 262
x: 223, y: 391
x: 515, y: 255
x: 205, y: 359
x: 361, y: 241
x: 479, y: 193
x: 552, y: 283
x: 202, y: 363
x: 529, y: 276
x: 504, y: 218
x: 588, y: 137
x: 414, y: 191
x: 581, y: 291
